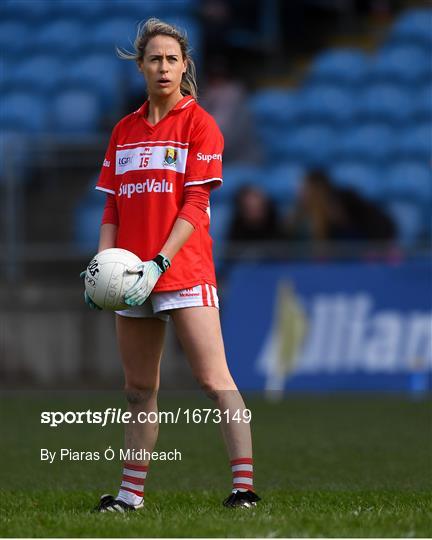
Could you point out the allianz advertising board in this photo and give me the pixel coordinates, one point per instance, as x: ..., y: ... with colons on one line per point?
x: 331, y: 326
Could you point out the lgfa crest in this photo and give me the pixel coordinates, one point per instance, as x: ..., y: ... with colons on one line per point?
x: 170, y: 156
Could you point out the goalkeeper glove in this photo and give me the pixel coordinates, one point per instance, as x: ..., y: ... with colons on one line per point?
x: 150, y: 272
x: 87, y: 298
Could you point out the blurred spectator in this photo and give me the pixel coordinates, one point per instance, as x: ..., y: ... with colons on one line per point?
x: 325, y: 212
x: 226, y: 100
x: 254, y: 217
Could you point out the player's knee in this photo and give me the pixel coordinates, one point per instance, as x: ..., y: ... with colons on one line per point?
x: 210, y: 391
x: 136, y: 395
x: 215, y: 386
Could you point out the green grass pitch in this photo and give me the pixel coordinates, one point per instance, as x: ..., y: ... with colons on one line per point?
x: 335, y: 466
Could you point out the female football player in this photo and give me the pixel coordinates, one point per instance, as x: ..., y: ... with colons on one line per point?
x: 162, y: 162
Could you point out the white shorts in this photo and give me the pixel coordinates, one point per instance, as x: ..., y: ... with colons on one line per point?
x: 159, y: 303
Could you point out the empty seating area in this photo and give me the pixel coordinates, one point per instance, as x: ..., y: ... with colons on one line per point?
x: 364, y: 118
x: 62, y: 53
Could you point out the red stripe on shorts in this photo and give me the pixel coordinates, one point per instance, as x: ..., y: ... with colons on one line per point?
x: 213, y: 293
x: 204, y: 295
x: 209, y: 294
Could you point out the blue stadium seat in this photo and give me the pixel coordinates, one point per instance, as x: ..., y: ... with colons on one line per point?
x: 5, y: 72
x: 274, y: 107
x: 92, y: 10
x: 274, y: 112
x: 100, y: 73
x: 15, y: 145
x: 134, y: 79
x: 407, y: 64
x: 25, y: 111
x: 410, y: 180
x: 371, y: 142
x: 408, y: 219
x: 340, y: 66
x: 59, y: 36
x: 326, y: 103
x: 14, y: 34
x: 155, y: 8
x: 413, y: 26
x: 415, y: 142
x: 75, y: 111
x: 235, y: 176
x: 385, y: 102
x: 30, y: 10
x: 311, y: 145
x: 87, y: 220
x: 40, y: 72
x: 367, y: 180
x: 422, y: 103
x: 92, y: 195
x: 112, y: 32
x: 137, y: 9
x: 283, y: 182
x: 220, y: 218
x: 269, y: 138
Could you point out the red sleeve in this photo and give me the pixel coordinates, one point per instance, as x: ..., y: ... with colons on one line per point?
x: 106, y: 180
x: 204, y: 161
x: 196, y: 203
x: 110, y: 214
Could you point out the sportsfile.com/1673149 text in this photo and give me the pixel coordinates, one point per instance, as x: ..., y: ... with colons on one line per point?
x: 118, y: 416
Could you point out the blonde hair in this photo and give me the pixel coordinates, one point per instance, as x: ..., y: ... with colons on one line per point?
x: 155, y: 27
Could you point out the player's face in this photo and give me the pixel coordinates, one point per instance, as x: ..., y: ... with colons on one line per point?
x: 163, y: 66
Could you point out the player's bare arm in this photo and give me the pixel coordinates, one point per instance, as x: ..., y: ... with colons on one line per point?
x: 180, y: 234
x: 107, y: 236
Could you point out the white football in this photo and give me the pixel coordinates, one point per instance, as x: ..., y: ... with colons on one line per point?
x: 107, y: 280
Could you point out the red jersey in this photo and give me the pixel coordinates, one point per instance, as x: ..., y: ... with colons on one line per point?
x: 147, y: 167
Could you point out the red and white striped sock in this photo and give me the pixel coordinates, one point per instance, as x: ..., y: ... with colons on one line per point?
x: 242, y: 473
x: 132, y: 486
